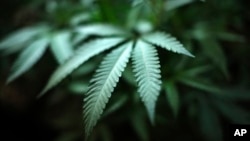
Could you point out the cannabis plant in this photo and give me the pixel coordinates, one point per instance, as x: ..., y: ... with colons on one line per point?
x: 140, y: 45
x: 137, y: 35
x: 146, y: 68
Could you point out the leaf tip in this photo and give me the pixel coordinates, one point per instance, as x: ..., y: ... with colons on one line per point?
x: 42, y: 92
x: 191, y: 55
x: 9, y: 80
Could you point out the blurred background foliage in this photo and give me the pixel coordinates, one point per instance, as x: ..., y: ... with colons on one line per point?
x: 200, y: 96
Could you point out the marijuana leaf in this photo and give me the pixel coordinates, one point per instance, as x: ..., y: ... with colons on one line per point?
x: 167, y: 42
x: 103, y: 84
x: 147, y: 73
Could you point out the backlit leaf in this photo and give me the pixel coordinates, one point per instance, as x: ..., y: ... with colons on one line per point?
x: 103, y: 84
x: 167, y: 42
x: 146, y: 67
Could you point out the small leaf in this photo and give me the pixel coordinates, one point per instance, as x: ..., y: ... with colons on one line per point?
x: 61, y: 46
x: 81, y: 55
x: 103, y: 84
x: 28, y: 58
x: 167, y: 42
x: 146, y: 67
x: 21, y: 37
x: 172, y: 97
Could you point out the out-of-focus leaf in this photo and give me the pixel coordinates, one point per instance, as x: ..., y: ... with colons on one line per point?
x: 86, y: 68
x: 78, y: 39
x: 61, y: 46
x: 172, y: 96
x: 233, y: 112
x: 139, y: 125
x: 18, y: 39
x: 76, y: 20
x: 209, y: 121
x: 137, y: 2
x: 120, y: 101
x: 199, y: 84
x: 105, y: 133
x: 51, y: 6
x: 129, y: 76
x: 216, y: 54
x: 99, y: 29
x: 197, y: 70
x: 28, y: 58
x: 78, y: 87
x: 133, y: 15
x: 230, y: 37
x: 143, y: 26
x: 237, y: 94
x: 87, y: 2
x: 174, y: 4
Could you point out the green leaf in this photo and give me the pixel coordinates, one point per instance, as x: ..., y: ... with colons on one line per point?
x: 172, y: 97
x: 78, y: 19
x: 174, y: 4
x: 99, y: 29
x: 61, y: 46
x: 128, y: 76
x: 214, y: 51
x: 197, y: 70
x: 139, y: 125
x: 233, y: 112
x: 209, y: 121
x: 28, y: 58
x: 78, y: 87
x: 227, y: 36
x: 167, y: 42
x: 20, y: 37
x: 137, y: 2
x: 146, y: 67
x: 103, y: 84
x: 96, y: 29
x: 118, y: 103
x: 81, y: 55
x: 199, y: 84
